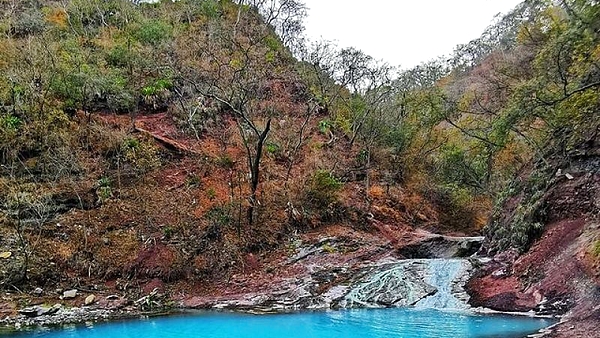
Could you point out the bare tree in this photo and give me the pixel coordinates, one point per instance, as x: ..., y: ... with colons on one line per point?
x: 235, y: 65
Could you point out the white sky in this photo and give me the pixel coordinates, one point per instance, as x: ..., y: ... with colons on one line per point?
x: 402, y: 32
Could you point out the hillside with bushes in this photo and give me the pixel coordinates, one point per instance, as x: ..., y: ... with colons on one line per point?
x: 183, y: 144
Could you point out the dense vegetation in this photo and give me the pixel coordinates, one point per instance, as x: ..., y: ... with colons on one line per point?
x: 272, y: 134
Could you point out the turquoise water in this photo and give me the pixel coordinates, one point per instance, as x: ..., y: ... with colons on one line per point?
x: 406, y: 323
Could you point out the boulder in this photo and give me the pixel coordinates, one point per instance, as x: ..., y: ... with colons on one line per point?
x: 69, y: 294
x: 89, y: 300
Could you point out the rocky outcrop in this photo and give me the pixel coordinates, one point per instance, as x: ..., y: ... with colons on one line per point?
x: 58, y: 315
x: 37, y: 311
x: 390, y: 285
x: 544, y: 241
x: 324, y: 279
x: 438, y: 246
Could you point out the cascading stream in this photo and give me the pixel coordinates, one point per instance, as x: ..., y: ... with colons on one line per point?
x: 442, y: 274
x: 423, y: 283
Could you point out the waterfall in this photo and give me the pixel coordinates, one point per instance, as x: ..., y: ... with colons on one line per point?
x: 423, y: 283
x: 443, y: 274
x: 392, y: 285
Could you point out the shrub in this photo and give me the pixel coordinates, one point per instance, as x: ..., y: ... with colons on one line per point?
x: 210, y: 9
x: 29, y: 22
x: 118, y: 56
x: 142, y: 155
x: 154, y: 32
x: 323, y: 188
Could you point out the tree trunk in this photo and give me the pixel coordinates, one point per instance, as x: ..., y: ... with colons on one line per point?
x: 255, y: 171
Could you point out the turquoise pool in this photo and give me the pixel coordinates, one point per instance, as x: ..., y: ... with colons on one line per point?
x: 406, y: 323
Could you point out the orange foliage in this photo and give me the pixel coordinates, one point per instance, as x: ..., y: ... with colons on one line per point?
x: 376, y: 191
x: 57, y: 17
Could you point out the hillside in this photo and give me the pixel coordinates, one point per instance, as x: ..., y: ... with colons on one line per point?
x: 191, y: 148
x: 131, y: 140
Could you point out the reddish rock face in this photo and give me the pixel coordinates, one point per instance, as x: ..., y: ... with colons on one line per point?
x: 559, y: 273
x: 154, y: 284
x: 549, y: 278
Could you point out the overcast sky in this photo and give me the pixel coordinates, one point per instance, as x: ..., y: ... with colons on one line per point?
x: 402, y: 32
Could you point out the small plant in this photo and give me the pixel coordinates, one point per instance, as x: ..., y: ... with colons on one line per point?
x: 104, y: 190
x: 193, y: 181
x: 142, y: 155
x: 275, y: 151
x: 157, y: 92
x: 10, y: 122
x: 168, y: 232
x: 225, y: 162
x: 272, y: 148
x: 131, y: 144
x: 361, y: 157
x: 104, y: 182
x: 325, y: 126
x: 328, y: 248
x: 219, y: 216
x: 211, y: 193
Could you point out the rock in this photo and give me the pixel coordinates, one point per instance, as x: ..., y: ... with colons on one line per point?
x: 89, y: 300
x: 54, y: 309
x: 112, y: 297
x: 38, y: 291
x: 36, y: 311
x: 392, y: 285
x: 5, y: 254
x: 69, y: 294
x: 500, y: 273
x: 437, y: 246
x: 29, y: 311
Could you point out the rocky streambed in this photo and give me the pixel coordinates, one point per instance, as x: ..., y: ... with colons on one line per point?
x: 331, y: 273
x: 385, y: 283
x: 334, y: 273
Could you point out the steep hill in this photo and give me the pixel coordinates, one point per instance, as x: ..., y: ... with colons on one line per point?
x: 190, y: 150
x: 174, y: 141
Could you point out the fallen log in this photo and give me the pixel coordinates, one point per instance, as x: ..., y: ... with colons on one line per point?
x: 168, y: 142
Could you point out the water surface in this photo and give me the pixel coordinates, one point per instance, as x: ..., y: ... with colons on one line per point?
x: 405, y: 323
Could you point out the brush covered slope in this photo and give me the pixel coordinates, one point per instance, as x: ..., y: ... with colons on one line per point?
x: 175, y: 145
x: 182, y: 152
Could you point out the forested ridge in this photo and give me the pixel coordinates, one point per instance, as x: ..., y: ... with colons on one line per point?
x: 182, y: 140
